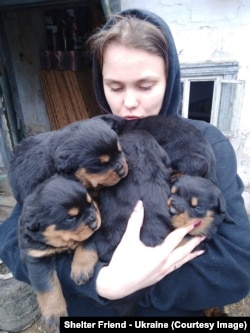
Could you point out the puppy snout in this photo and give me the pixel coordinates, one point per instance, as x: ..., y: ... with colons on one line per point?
x: 92, y: 222
x: 172, y: 206
x: 173, y: 210
x: 121, y: 170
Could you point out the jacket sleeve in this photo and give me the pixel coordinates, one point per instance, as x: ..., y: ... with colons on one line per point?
x: 9, y: 250
x: 221, y: 275
x: 10, y: 255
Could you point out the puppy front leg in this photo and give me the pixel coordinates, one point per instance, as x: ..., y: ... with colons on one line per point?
x: 44, y: 280
x: 84, y: 260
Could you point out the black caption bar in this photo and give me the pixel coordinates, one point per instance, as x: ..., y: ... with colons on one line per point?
x: 239, y: 324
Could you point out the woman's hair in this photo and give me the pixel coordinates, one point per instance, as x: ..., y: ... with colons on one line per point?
x: 131, y: 32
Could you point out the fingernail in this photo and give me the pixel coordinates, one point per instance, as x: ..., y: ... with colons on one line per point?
x: 203, y: 238
x: 200, y: 252
x: 197, y: 223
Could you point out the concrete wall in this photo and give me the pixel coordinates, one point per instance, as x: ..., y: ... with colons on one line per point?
x: 217, y: 31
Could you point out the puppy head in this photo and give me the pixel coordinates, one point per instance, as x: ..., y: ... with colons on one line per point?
x: 196, y: 199
x: 91, y: 151
x: 59, y: 213
x: 144, y: 154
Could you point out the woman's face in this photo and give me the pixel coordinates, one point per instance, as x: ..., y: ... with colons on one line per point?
x: 134, y: 81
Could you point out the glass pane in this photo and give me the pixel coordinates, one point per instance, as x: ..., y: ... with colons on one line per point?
x: 200, y: 100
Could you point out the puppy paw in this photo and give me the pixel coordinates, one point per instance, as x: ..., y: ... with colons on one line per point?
x: 83, y: 264
x: 82, y: 277
x: 215, y: 312
x: 52, y: 324
x: 53, y: 306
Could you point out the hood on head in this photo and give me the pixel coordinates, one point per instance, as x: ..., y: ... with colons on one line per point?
x: 172, y: 96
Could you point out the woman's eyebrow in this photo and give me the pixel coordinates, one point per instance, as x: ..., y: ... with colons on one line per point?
x: 150, y: 78
x: 111, y: 81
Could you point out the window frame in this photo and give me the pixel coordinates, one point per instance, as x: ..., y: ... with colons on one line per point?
x: 224, y: 75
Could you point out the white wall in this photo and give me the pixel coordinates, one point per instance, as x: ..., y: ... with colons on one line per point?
x: 217, y: 31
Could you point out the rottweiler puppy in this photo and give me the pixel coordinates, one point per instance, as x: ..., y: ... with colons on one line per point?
x: 148, y: 180
x: 88, y: 150
x: 189, y: 152
x: 58, y: 216
x: 193, y: 199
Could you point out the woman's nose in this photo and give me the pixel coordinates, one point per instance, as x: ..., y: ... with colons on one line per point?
x: 130, y: 100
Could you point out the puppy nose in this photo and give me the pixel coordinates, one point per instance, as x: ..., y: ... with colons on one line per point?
x: 92, y: 222
x: 173, y: 210
x: 120, y: 170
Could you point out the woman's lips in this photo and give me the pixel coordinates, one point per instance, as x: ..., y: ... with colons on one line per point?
x: 131, y: 117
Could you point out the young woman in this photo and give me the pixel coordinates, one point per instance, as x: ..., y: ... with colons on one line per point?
x: 136, y: 74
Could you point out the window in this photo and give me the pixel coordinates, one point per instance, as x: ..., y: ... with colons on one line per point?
x: 210, y: 92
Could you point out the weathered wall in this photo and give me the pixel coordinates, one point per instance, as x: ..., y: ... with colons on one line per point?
x: 218, y: 31
x: 26, y: 40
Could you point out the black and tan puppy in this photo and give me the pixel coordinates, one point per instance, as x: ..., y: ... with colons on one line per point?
x: 58, y: 216
x: 88, y: 150
x: 188, y: 150
x: 196, y: 199
x: 148, y: 180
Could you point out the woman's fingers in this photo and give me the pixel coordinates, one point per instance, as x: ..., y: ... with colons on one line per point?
x: 176, y: 237
x: 181, y: 254
x: 135, y: 266
x: 135, y: 223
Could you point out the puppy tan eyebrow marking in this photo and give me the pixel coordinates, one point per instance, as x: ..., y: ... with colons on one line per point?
x: 194, y: 201
x: 88, y: 197
x: 104, y: 158
x: 74, y: 211
x: 119, y: 148
x: 174, y: 189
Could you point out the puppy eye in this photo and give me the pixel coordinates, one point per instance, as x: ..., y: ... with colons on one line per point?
x: 71, y: 218
x: 199, y: 211
x: 34, y: 227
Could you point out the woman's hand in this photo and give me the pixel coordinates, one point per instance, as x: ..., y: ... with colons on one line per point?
x: 135, y: 266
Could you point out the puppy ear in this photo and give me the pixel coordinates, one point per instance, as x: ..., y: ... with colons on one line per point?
x: 65, y: 163
x: 167, y: 165
x: 221, y: 204
x: 33, y: 225
x: 114, y: 122
x: 165, y: 159
x: 175, y: 176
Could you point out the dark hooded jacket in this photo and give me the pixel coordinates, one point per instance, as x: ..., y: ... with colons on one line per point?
x: 219, y: 277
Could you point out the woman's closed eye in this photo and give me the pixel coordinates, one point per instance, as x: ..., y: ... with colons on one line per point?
x: 113, y: 85
x: 145, y: 87
x: 140, y: 87
x: 116, y: 89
